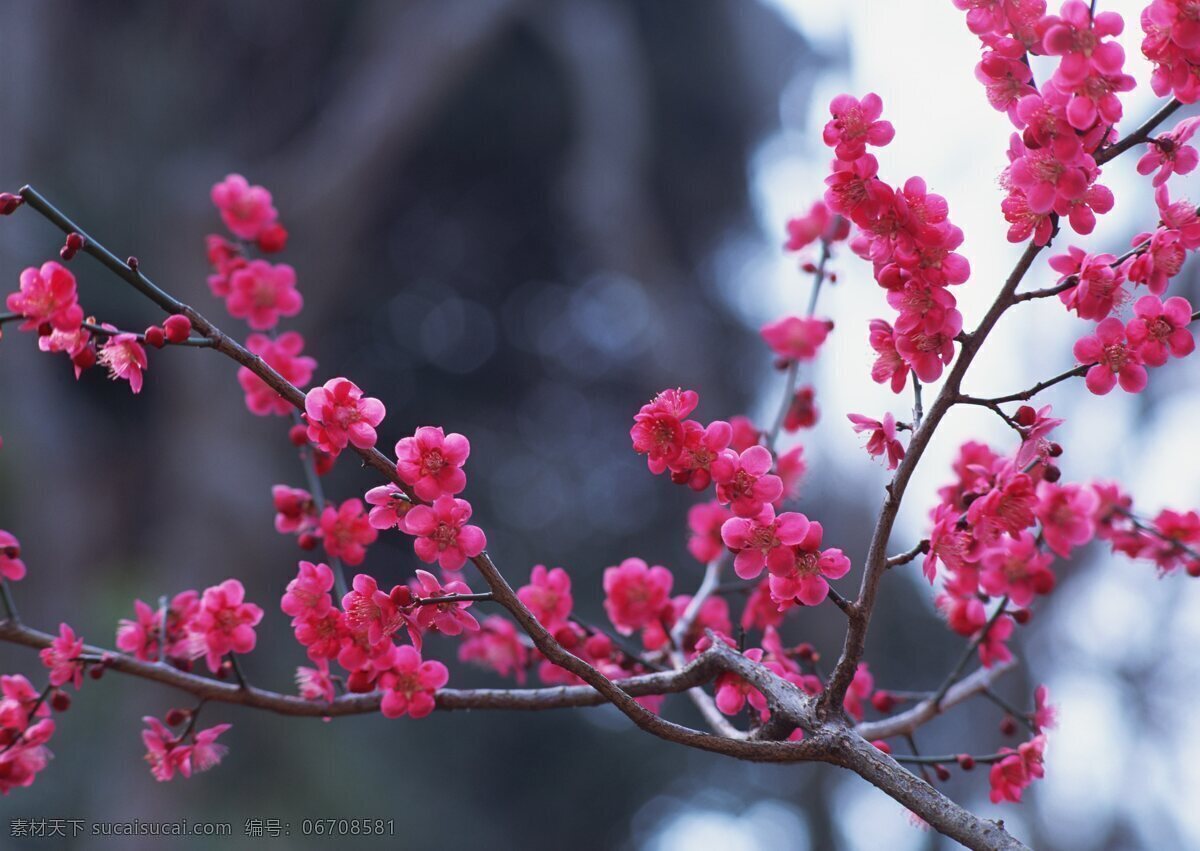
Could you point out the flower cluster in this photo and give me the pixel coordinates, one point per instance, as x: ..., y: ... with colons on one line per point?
x: 212, y: 624
x: 1172, y: 43
x: 1120, y: 352
x: 25, y: 728
x: 190, y: 752
x: 906, y: 234
x: 1062, y: 123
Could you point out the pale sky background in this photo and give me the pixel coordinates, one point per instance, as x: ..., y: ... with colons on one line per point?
x: 1108, y: 756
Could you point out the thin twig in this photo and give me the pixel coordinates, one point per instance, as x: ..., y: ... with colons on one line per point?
x: 1142, y: 134
x: 969, y: 651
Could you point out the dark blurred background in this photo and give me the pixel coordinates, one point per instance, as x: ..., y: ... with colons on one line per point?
x: 512, y: 218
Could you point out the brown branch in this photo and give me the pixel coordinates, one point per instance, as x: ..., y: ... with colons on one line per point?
x: 928, y: 709
x: 1142, y: 134
x: 828, y: 741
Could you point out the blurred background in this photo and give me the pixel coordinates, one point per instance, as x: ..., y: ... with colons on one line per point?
x: 520, y: 219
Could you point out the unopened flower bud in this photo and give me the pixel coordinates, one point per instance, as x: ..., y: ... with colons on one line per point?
x: 177, y: 328
x: 882, y: 701
x: 272, y: 238
x: 156, y: 336
x: 9, y: 203
x: 966, y: 762
x: 943, y: 773
x: 60, y: 701
x: 1008, y: 726
x: 298, y: 435
x: 175, y: 717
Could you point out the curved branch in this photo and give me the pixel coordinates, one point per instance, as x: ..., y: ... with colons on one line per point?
x: 1142, y: 134
x: 860, y: 613
x: 928, y: 709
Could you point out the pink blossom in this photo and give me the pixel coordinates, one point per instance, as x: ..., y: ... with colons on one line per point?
x: 764, y: 541
x: 1160, y: 259
x: 63, y: 658
x: 802, y: 410
x: 804, y: 578
x: 888, y: 366
x: 308, y: 594
x: 282, y: 355
x: 1045, y: 714
x: 315, y: 683
x: 206, y: 753
x: 323, y: 636
x: 21, y: 760
x: 704, y: 522
x: 497, y: 646
x: 338, y: 415
x: 389, y: 507
x: 790, y: 467
x: 1066, y: 513
x: 47, y: 297
x: 854, y: 190
x: 928, y: 352
x: 74, y: 343
x: 548, y: 595
x: 1179, y: 215
x: 635, y: 594
x: 658, y: 430
x: 1015, y: 566
x: 125, y: 359
x: 701, y: 447
x: 442, y: 533
x: 1035, y: 427
x: 1170, y: 153
x: 346, y: 532
x: 11, y: 566
x: 261, y: 292
x: 448, y: 618
x: 295, y: 510
x: 431, y: 461
x: 859, y: 691
x: 1176, y: 542
x: 1111, y: 358
x: 1160, y: 329
x: 745, y: 434
x: 1011, y: 775
x: 817, y: 223
x: 761, y: 611
x: 856, y: 124
x: 165, y: 753
x: 246, y: 210
x: 882, y: 440
x: 1005, y: 77
x: 1097, y: 288
x: 744, y: 481
x: 713, y: 614
x: 796, y: 338
x: 992, y: 649
x: 141, y: 637
x: 376, y: 615
x: 1009, y: 507
x: 1023, y: 220
x: 225, y: 622
x: 732, y: 692
x: 410, y: 684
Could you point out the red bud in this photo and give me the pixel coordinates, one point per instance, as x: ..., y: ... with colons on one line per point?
x: 156, y: 336
x: 178, y: 328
